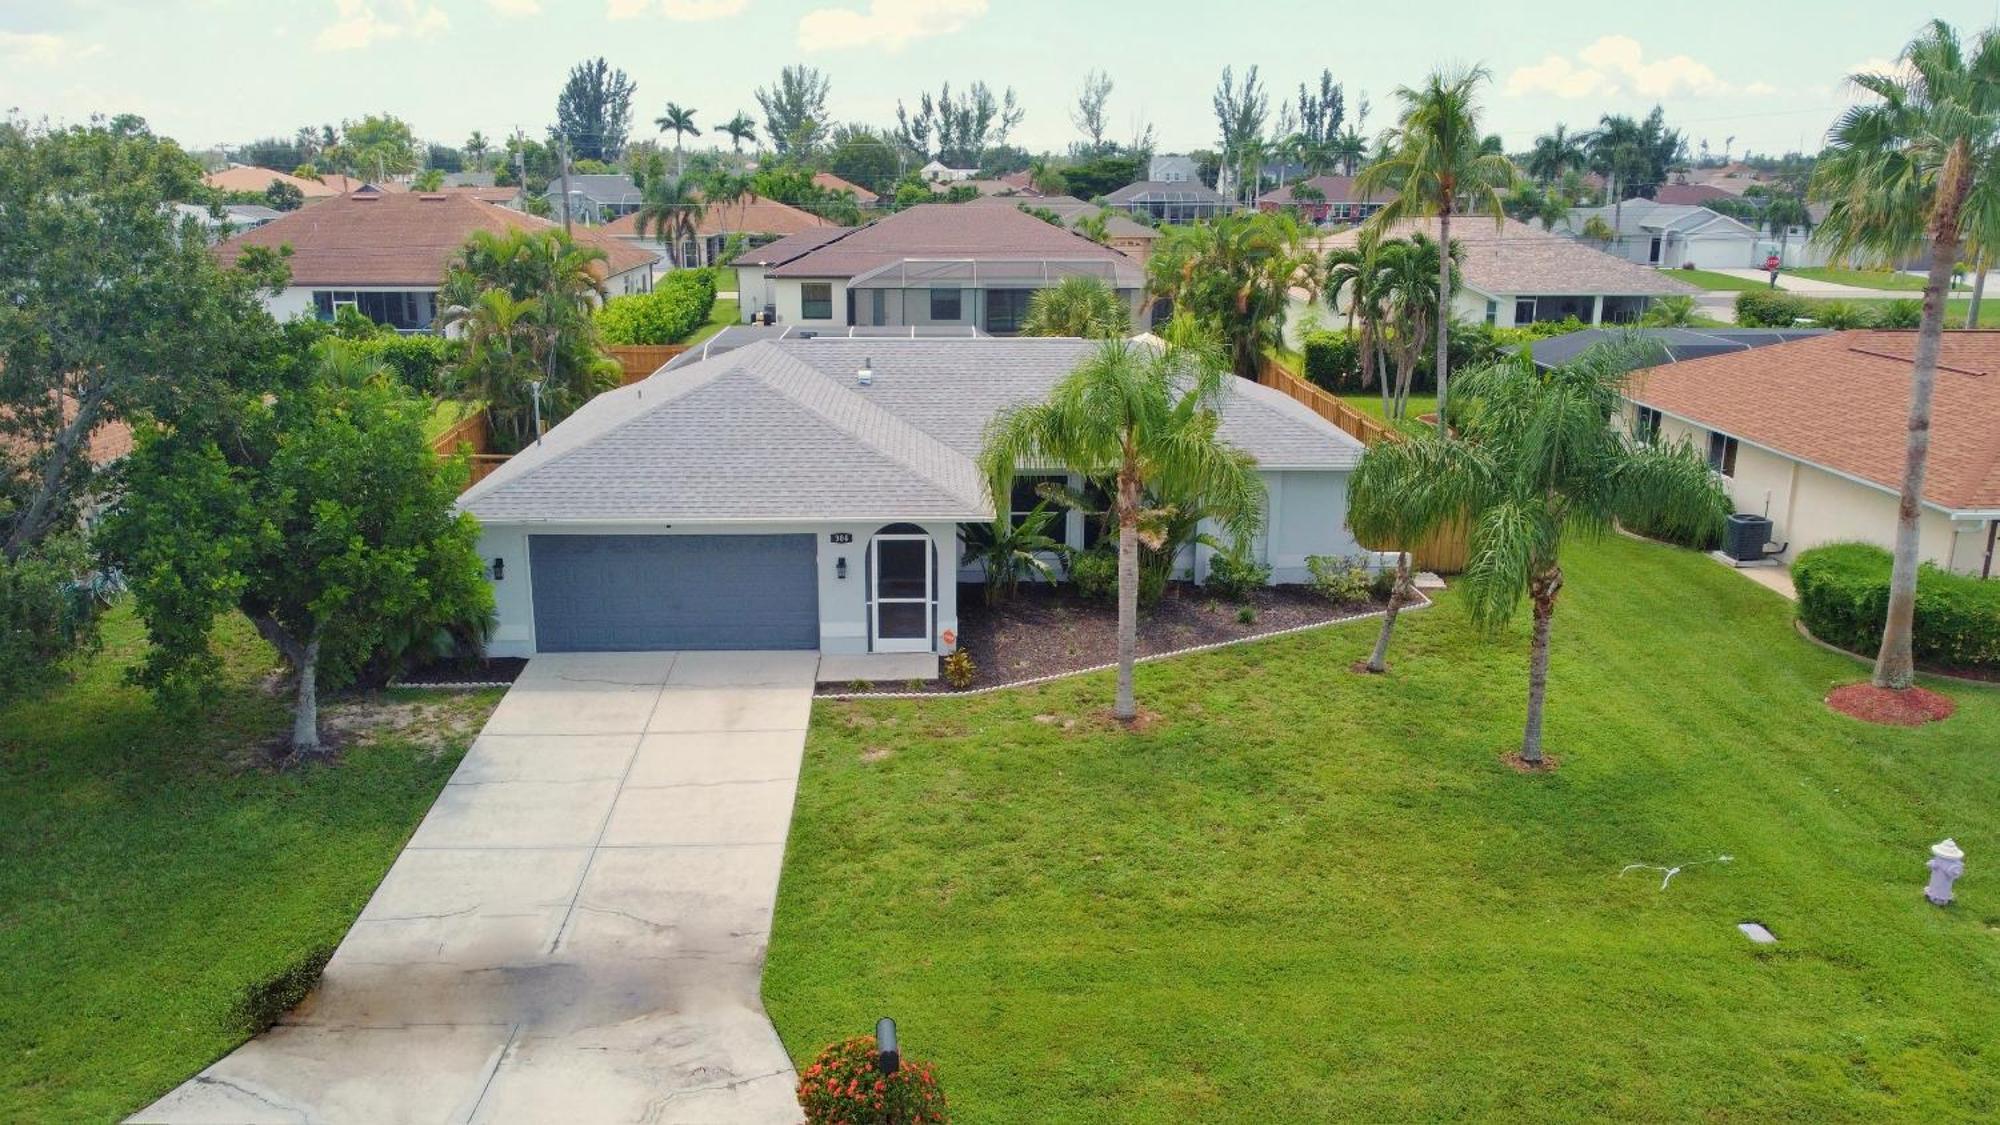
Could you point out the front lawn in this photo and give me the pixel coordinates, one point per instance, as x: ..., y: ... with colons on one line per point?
x: 151, y: 873
x: 1304, y: 895
x: 1708, y: 279
x: 1866, y: 279
x: 725, y: 312
x: 1370, y: 403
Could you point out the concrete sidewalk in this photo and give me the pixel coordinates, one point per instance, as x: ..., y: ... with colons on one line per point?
x: 577, y: 930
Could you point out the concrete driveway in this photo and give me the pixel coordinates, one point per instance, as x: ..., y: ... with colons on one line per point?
x: 577, y: 930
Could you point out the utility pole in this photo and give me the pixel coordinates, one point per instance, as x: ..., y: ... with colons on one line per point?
x: 563, y: 150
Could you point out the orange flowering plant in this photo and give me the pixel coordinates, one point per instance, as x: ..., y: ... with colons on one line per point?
x: 843, y: 1087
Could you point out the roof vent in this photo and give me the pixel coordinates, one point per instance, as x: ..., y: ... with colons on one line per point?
x: 432, y: 197
x: 866, y: 375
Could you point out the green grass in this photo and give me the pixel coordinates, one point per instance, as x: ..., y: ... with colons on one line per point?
x: 724, y: 313
x: 1370, y: 403
x: 1708, y: 279
x: 1866, y: 279
x: 149, y: 874
x: 446, y: 413
x: 1306, y: 895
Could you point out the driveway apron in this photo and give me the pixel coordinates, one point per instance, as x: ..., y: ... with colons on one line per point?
x: 577, y: 930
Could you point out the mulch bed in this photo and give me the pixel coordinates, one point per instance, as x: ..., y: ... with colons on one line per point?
x: 1907, y: 708
x: 1047, y: 631
x: 497, y: 670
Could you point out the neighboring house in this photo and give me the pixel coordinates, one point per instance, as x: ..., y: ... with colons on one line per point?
x: 1173, y: 168
x: 1170, y: 202
x: 1690, y: 195
x: 831, y: 182
x: 236, y: 217
x: 1665, y: 345
x: 385, y: 254
x: 812, y: 494
x: 1340, y: 202
x: 594, y: 199
x: 1004, y: 185
x: 249, y: 177
x: 1812, y: 434
x: 1129, y: 237
x: 936, y: 263
x: 937, y: 173
x: 756, y: 294
x: 1733, y: 177
x: 758, y: 219
x: 1670, y: 236
x: 1518, y: 274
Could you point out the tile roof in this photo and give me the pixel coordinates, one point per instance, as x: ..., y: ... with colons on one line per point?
x: 791, y: 246
x: 1519, y: 260
x: 946, y: 231
x: 831, y: 182
x: 750, y: 215
x: 780, y: 429
x: 1697, y: 195
x: 1071, y: 209
x: 1841, y: 400
x: 249, y: 177
x: 1337, y: 189
x: 1672, y: 344
x: 401, y: 238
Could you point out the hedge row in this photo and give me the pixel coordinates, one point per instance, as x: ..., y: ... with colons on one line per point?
x: 1775, y: 308
x: 419, y: 361
x: 1333, y: 358
x: 1844, y: 599
x: 677, y: 306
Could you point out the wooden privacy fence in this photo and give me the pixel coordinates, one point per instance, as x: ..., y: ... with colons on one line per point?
x: 641, y: 360
x: 470, y: 434
x: 1445, y: 552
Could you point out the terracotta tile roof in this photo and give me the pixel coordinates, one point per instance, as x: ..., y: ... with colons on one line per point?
x: 401, y: 238
x: 1519, y: 260
x: 746, y: 216
x: 831, y: 182
x: 1841, y: 400
x: 249, y: 177
x: 1695, y: 195
x: 1337, y: 189
x: 946, y: 230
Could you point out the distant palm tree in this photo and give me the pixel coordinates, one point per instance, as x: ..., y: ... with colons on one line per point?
x: 1145, y: 418
x: 680, y: 122
x: 476, y: 149
x: 1669, y: 312
x: 1349, y: 149
x: 1554, y: 154
x: 1595, y: 229
x: 1438, y: 166
x: 1404, y: 284
x: 740, y: 129
x: 1348, y: 277
x: 1915, y: 166
x: 1077, y: 306
x: 672, y: 210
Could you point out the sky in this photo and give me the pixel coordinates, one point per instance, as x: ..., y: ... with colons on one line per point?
x: 1769, y: 74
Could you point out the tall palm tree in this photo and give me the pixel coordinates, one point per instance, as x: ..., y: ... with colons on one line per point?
x: 1077, y: 306
x: 1145, y: 418
x: 1236, y: 273
x: 679, y: 121
x: 1438, y: 165
x: 1348, y: 149
x: 1348, y: 278
x: 1915, y: 166
x: 476, y: 149
x: 740, y: 129
x: 672, y: 210
x: 1404, y: 283
x: 1537, y: 460
x: 1554, y: 154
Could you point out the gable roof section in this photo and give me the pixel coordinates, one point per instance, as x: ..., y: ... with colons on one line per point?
x: 400, y: 238
x: 831, y: 182
x: 945, y: 231
x: 1337, y: 189
x: 599, y: 187
x: 750, y: 215
x: 791, y: 246
x: 1670, y: 345
x: 1072, y: 210
x: 1516, y: 260
x: 250, y: 177
x: 1698, y: 195
x: 781, y: 430
x: 1840, y: 400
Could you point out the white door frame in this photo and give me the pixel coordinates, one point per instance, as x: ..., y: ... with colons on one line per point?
x: 924, y: 643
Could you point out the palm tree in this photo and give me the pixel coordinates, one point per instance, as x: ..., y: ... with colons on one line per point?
x: 1595, y: 229
x: 1045, y: 177
x: 1146, y: 418
x: 1916, y: 165
x: 680, y: 122
x: 1555, y: 154
x: 1077, y: 306
x: 1400, y: 494
x: 672, y: 211
x: 1349, y: 277
x: 1669, y: 312
x: 1537, y: 459
x: 1403, y: 283
x: 1438, y: 165
x: 1348, y: 149
x: 1237, y: 274
x: 1008, y: 552
x: 740, y: 129
x: 476, y: 149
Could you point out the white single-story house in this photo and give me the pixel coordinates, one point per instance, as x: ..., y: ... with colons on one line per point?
x: 595, y: 198
x: 1811, y: 434
x: 1669, y: 235
x: 937, y: 172
x: 809, y: 494
x: 385, y: 253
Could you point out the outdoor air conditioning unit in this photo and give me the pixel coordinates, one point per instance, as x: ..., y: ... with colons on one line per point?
x: 1746, y: 537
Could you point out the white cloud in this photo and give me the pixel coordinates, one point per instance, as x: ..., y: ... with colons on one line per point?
x: 360, y: 23
x: 1613, y: 63
x: 515, y: 7
x: 688, y: 11
x: 41, y: 48
x: 888, y: 24
x: 625, y: 9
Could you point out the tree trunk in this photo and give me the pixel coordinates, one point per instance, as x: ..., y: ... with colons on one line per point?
x: 1127, y: 708
x: 1444, y: 305
x: 1895, y: 663
x: 1378, y: 661
x: 304, y: 659
x: 1542, y: 590
x: 34, y: 518
x: 1978, y: 289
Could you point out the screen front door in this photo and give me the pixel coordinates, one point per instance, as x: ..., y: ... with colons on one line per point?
x: 904, y: 567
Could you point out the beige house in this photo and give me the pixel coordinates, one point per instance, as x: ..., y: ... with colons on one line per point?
x: 1811, y: 433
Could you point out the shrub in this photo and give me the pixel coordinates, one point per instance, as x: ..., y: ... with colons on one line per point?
x: 1247, y: 615
x: 1840, y: 314
x: 1234, y: 574
x: 1332, y: 360
x: 843, y: 1085
x: 677, y: 306
x: 49, y: 602
x: 418, y: 361
x: 1718, y: 497
x: 1341, y: 579
x: 959, y: 669
x: 1903, y: 312
x: 1844, y: 599
x: 1095, y: 573
x: 262, y: 1003
x: 1769, y: 308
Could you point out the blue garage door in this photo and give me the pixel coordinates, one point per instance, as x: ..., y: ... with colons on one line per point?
x: 614, y: 593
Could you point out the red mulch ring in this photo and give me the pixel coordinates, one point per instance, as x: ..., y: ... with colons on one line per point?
x: 1516, y: 763
x: 1911, y: 707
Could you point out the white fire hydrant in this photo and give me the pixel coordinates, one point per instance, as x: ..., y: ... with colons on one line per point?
x: 1947, y: 864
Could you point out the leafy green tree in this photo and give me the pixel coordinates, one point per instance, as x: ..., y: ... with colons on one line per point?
x: 1240, y: 112
x: 795, y: 120
x: 375, y: 147
x: 958, y: 128
x: 1437, y: 164
x: 324, y: 518
x: 678, y: 120
x: 1147, y: 420
x: 1915, y: 168
x: 862, y: 156
x: 1077, y: 306
x: 1235, y: 274
x: 594, y: 111
x: 1100, y: 176
x: 281, y: 196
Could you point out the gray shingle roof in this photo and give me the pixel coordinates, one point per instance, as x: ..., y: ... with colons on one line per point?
x: 781, y: 430
x: 1515, y: 259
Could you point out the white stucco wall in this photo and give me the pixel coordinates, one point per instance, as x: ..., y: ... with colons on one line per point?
x: 843, y: 602
x: 753, y: 291
x: 787, y: 294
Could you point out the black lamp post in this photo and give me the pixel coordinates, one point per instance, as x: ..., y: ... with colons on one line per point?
x: 889, y: 1060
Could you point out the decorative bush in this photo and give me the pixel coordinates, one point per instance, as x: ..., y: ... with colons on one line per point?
x: 1095, y: 573
x: 1639, y: 524
x: 419, y: 361
x: 1236, y: 574
x: 1332, y: 360
x: 1844, y: 599
x: 677, y: 306
x: 959, y: 669
x: 1769, y: 308
x: 1341, y: 579
x: 843, y: 1086
x: 1903, y: 312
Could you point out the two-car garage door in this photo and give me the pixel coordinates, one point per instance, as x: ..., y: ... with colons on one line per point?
x: 608, y: 593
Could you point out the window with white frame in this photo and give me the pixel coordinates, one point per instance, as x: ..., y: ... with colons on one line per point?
x: 1722, y: 454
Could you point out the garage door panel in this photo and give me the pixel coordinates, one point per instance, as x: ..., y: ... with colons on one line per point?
x: 639, y: 592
